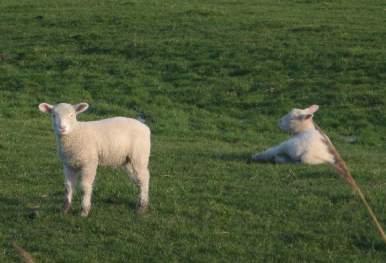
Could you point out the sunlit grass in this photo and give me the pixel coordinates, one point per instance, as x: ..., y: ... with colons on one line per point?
x: 211, y: 79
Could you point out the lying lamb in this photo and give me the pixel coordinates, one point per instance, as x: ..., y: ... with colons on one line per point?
x: 82, y: 146
x: 306, y: 144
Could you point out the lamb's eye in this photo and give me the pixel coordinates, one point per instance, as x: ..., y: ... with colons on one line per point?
x: 71, y: 115
x: 53, y: 116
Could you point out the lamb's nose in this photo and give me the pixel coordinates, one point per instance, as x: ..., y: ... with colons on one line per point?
x: 63, y: 128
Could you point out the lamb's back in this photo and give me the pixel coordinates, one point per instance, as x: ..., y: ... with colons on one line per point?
x: 116, y: 138
x: 309, y: 145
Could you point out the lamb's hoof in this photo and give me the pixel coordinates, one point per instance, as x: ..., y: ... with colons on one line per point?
x: 63, y: 211
x: 65, y: 208
x: 84, y: 212
x: 141, y: 209
x: 257, y: 159
x: 254, y: 159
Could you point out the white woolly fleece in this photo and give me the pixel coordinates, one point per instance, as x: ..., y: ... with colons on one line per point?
x: 107, y: 142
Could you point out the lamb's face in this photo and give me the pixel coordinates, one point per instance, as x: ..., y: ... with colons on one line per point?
x: 63, y: 118
x: 298, y: 120
x: 291, y: 122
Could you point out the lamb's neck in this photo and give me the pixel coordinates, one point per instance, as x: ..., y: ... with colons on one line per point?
x: 67, y: 139
x: 306, y: 128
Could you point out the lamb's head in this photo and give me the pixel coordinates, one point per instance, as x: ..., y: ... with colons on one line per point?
x: 299, y: 120
x: 63, y: 116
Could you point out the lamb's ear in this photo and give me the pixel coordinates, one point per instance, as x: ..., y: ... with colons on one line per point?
x: 312, y: 109
x: 304, y: 117
x: 308, y: 116
x: 81, y: 107
x: 46, y: 108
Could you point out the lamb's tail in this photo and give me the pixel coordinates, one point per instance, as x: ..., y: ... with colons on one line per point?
x: 24, y: 254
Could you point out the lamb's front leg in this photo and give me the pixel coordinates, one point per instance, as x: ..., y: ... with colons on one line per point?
x: 268, y: 156
x: 88, y: 178
x: 70, y: 185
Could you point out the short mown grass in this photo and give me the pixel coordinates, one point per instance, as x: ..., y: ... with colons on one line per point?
x: 211, y: 79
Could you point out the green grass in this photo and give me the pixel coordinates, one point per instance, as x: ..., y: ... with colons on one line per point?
x: 212, y: 79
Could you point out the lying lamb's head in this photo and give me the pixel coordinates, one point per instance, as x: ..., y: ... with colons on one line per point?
x: 63, y: 115
x: 299, y: 120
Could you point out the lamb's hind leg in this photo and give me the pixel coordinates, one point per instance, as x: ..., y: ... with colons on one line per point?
x: 70, y: 185
x: 139, y: 174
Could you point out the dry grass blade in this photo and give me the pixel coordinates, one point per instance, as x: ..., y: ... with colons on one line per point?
x: 24, y: 254
x: 341, y: 166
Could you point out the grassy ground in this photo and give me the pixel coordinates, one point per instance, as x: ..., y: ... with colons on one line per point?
x: 211, y: 78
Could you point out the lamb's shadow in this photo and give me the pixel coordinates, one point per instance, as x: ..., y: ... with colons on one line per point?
x: 365, y: 243
x: 120, y: 201
x: 232, y: 157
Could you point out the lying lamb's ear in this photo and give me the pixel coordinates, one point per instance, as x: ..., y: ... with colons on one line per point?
x: 46, y: 108
x: 308, y: 116
x: 81, y: 107
x: 304, y: 117
x: 313, y: 108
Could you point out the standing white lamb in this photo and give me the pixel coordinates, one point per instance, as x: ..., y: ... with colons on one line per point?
x: 82, y: 146
x: 306, y: 144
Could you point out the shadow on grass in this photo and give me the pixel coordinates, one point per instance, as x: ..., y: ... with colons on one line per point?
x: 10, y: 202
x: 18, y: 207
x: 232, y: 157
x: 365, y: 243
x: 120, y: 201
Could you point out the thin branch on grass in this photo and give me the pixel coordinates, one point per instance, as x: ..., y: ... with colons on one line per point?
x: 24, y: 254
x: 341, y: 166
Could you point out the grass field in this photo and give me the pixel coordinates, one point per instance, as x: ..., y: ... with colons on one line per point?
x: 211, y: 79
